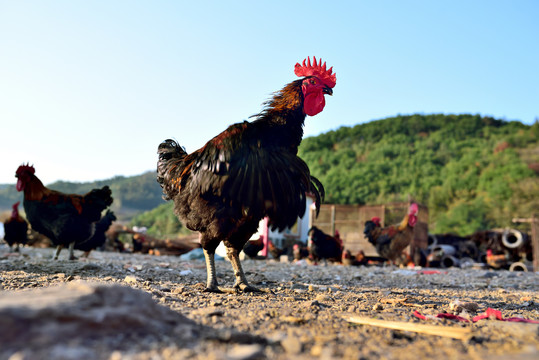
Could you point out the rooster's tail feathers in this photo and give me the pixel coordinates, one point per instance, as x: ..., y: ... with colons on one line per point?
x: 102, y: 197
x: 319, y: 193
x: 170, y: 155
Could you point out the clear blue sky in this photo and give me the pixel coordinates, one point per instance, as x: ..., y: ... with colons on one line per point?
x: 88, y: 89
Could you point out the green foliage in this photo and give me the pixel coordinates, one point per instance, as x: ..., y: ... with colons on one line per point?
x: 465, y: 216
x: 161, y: 222
x: 470, y: 170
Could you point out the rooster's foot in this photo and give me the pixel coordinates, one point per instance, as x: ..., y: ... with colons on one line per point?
x: 246, y: 288
x: 213, y: 289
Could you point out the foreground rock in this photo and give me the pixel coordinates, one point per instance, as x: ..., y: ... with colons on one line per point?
x: 62, y: 320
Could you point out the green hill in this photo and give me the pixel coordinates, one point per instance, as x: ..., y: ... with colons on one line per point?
x: 472, y: 172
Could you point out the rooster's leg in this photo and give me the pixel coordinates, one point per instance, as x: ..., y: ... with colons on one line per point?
x: 57, y: 252
x: 211, y: 283
x: 71, y: 251
x: 241, y: 281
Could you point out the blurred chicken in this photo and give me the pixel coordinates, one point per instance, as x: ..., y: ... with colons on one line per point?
x: 253, y: 247
x: 324, y: 246
x: 390, y: 241
x: 65, y: 219
x: 99, y: 238
x: 300, y: 251
x: 15, y: 229
x: 275, y: 251
x: 347, y: 258
x: 350, y: 260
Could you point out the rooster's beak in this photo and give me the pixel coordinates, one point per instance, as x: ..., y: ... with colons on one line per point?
x: 328, y: 90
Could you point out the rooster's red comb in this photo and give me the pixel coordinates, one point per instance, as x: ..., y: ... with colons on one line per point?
x: 25, y: 168
x: 318, y: 70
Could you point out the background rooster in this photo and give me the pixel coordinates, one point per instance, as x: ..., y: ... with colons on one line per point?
x: 15, y: 228
x: 300, y: 251
x: 253, y: 247
x: 275, y: 251
x: 65, y: 219
x: 99, y: 238
x: 324, y: 246
x: 390, y: 241
x: 248, y: 171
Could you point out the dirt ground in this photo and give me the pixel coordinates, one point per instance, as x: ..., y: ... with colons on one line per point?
x: 306, y: 310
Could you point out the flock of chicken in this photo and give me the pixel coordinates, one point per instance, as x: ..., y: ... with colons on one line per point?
x: 389, y: 242
x: 222, y: 190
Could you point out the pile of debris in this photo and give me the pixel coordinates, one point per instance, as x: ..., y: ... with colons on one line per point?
x: 146, y: 244
x: 508, y: 249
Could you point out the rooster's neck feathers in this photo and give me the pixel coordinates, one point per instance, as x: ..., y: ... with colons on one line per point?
x: 284, y: 114
x: 34, y: 189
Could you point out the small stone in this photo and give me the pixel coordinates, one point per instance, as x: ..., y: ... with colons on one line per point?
x: 130, y: 279
x: 323, y: 298
x: 209, y: 312
x: 293, y: 319
x: 91, y: 267
x: 17, y: 356
x: 458, y: 306
x: 378, y: 307
x: 245, y: 352
x: 297, y: 287
x: 316, y: 350
x: 292, y: 345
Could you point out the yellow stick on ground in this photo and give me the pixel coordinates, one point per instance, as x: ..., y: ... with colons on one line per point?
x: 445, y: 331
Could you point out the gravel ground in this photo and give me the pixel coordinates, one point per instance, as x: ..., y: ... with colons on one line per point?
x: 304, y: 313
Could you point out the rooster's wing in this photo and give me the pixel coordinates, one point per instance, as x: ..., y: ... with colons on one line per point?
x: 255, y: 175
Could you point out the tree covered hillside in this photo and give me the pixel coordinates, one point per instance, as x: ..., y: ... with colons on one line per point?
x: 472, y: 172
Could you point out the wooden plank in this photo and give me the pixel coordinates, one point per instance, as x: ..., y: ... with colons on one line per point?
x: 437, y: 330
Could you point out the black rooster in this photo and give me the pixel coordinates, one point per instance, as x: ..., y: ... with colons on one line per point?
x: 249, y: 171
x: 324, y: 246
x: 15, y: 228
x: 253, y: 247
x: 64, y: 218
x: 99, y: 238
